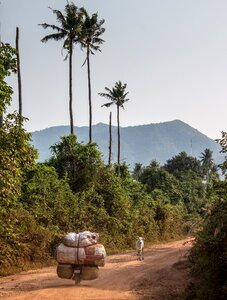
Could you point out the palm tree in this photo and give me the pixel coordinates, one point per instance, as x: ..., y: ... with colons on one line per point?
x: 91, y: 41
x: 116, y: 96
x: 223, y: 143
x: 69, y: 30
x: 207, y: 163
x: 137, y: 171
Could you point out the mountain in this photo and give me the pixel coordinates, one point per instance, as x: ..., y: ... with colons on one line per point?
x: 141, y: 143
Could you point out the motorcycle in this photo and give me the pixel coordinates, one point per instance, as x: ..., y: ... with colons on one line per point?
x: 77, y: 272
x: 79, y: 256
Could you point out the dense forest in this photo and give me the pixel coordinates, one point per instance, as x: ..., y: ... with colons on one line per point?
x: 75, y: 190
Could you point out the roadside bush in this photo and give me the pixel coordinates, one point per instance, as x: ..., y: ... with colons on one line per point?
x: 22, y: 239
x: 48, y: 198
x: 79, y: 162
x: 209, y: 255
x: 169, y: 218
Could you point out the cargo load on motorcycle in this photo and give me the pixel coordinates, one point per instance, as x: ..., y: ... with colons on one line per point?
x: 79, y: 256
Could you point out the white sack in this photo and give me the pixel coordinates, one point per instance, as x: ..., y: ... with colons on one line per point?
x: 91, y: 255
x: 69, y: 255
x: 81, y: 239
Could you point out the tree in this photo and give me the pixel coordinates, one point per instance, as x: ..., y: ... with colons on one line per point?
x: 154, y: 164
x: 137, y: 171
x: 79, y: 162
x: 7, y: 66
x: 209, y: 254
x: 18, y: 72
x: 117, y: 96
x: 48, y: 198
x: 90, y: 40
x: 184, y: 166
x: 157, y: 178
x: 207, y: 163
x: 223, y: 142
x: 69, y: 30
x: 16, y: 155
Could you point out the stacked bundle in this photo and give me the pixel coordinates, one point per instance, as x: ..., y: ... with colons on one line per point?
x: 80, y: 249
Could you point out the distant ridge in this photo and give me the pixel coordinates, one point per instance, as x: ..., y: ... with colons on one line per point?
x: 141, y: 143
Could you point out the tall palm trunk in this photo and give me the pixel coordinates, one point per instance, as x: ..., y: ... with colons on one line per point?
x: 110, y: 138
x: 89, y: 94
x: 70, y: 88
x: 18, y: 72
x: 118, y: 135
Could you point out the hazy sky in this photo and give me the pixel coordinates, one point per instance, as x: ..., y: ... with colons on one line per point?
x: 171, y: 53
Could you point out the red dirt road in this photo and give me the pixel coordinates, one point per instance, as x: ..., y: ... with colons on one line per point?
x: 161, y: 275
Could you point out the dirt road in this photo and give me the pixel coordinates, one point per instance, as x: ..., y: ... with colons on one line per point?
x: 162, y: 274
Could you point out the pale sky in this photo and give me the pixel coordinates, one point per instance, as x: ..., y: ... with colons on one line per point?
x: 171, y: 53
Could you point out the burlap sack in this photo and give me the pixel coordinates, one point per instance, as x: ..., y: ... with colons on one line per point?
x: 90, y: 272
x: 95, y: 254
x: 65, y: 271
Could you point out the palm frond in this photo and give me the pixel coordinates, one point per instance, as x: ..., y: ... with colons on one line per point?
x: 117, y: 95
x: 90, y: 32
x: 54, y: 27
x: 107, y: 104
x: 84, y: 62
x: 83, y: 11
x: 60, y: 17
x: 108, y: 96
x: 109, y: 90
x: 54, y: 36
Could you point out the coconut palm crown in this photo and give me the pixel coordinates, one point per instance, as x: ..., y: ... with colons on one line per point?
x: 90, y: 40
x: 70, y: 28
x: 116, y: 96
x: 208, y: 164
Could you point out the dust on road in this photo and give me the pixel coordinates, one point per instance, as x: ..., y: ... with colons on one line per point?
x: 162, y: 274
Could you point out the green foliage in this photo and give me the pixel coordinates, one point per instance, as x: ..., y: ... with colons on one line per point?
x: 109, y: 185
x: 137, y: 171
x: 155, y: 177
x: 193, y: 193
x: 21, y: 239
x: 208, y: 166
x: 122, y: 212
x: 169, y: 218
x: 69, y: 29
x: 48, y: 198
x: 189, y: 174
x: 223, y: 142
x: 184, y: 166
x: 75, y: 191
x: 7, y: 65
x: 79, y: 162
x: 16, y: 156
x: 117, y: 95
x: 91, y: 31
x: 209, y: 255
x: 122, y: 170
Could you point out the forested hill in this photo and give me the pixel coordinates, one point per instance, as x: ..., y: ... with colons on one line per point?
x: 141, y: 143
